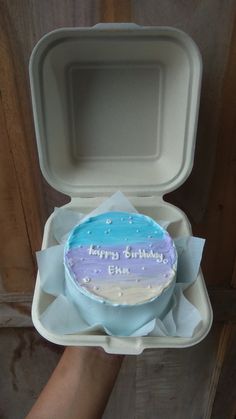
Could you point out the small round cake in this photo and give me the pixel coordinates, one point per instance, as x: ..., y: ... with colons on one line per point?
x: 120, y: 270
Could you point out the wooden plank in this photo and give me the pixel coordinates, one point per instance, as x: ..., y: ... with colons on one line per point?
x: 158, y: 383
x: 15, y: 310
x: 26, y: 362
x: 16, y: 314
x: 220, y: 217
x: 225, y: 399
x: 175, y: 383
x: 219, y: 362
x: 16, y: 297
x: 15, y: 110
x: 223, y: 303
x: 16, y: 262
x: 122, y: 400
x: 115, y: 11
x: 166, y: 383
x: 233, y: 280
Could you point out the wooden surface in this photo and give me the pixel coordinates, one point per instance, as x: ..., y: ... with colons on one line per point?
x: 224, y: 404
x: 26, y: 362
x: 165, y: 381
x: 191, y: 383
x: 185, y: 384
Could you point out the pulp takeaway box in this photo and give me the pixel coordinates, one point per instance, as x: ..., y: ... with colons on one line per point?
x: 115, y: 107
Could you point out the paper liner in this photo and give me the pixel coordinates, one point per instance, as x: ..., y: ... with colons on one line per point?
x: 62, y: 317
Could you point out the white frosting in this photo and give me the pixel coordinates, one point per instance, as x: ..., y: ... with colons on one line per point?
x: 134, y: 294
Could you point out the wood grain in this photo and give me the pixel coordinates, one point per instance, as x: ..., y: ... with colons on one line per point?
x: 220, y: 216
x: 123, y: 398
x: 15, y: 309
x: 223, y: 303
x: 26, y: 362
x: 115, y: 11
x: 16, y: 262
x: 233, y: 280
x: 219, y: 362
x: 16, y: 108
x: 20, y: 213
x: 165, y: 383
x: 225, y: 399
x: 156, y: 384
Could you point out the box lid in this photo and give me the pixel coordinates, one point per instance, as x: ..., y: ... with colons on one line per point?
x: 115, y: 107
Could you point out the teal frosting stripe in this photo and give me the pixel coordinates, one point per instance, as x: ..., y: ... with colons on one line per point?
x: 115, y: 228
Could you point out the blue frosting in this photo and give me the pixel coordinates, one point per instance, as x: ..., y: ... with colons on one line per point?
x: 114, y: 228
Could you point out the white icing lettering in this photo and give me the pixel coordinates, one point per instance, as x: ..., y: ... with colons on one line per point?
x: 142, y: 254
x: 128, y: 254
x: 117, y: 270
x: 103, y: 254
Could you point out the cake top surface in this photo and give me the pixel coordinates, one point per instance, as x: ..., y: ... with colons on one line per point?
x: 121, y: 258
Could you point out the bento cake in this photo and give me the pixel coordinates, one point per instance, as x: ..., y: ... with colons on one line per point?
x: 121, y: 260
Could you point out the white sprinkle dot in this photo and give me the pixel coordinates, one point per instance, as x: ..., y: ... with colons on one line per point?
x: 158, y: 260
x: 150, y: 237
x: 131, y: 222
x: 89, y: 232
x: 130, y: 218
x: 96, y: 288
x: 108, y: 221
x: 143, y: 268
x: 137, y: 231
x: 120, y: 294
x: 86, y: 279
x: 149, y: 286
x: 126, y: 239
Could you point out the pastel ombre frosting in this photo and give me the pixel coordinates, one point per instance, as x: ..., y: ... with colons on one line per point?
x: 120, y: 271
x: 119, y: 259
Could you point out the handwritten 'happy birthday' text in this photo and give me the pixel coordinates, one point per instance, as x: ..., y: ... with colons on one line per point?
x: 128, y: 254
x: 103, y: 254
